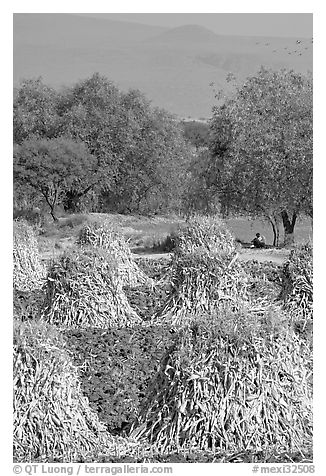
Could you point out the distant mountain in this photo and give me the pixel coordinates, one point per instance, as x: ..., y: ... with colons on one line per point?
x: 173, y: 67
x: 72, y: 30
x: 186, y: 34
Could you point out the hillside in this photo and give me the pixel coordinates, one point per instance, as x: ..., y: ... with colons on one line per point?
x: 173, y: 67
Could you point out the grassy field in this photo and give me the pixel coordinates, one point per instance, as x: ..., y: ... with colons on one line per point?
x: 245, y: 229
x: 147, y: 234
x: 139, y: 231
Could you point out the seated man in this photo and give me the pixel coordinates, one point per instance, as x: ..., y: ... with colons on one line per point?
x: 258, y: 241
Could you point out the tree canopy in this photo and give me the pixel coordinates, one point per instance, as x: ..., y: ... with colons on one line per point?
x: 140, y: 150
x: 54, y: 167
x: 262, y: 148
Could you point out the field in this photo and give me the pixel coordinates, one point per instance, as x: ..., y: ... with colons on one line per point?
x: 245, y: 229
x: 147, y: 235
x: 130, y: 347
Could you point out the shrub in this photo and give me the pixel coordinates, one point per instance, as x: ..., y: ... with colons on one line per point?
x: 72, y: 221
x: 52, y: 418
x: 29, y: 272
x: 84, y: 289
x: 229, y: 384
x: 32, y: 216
x: 165, y: 244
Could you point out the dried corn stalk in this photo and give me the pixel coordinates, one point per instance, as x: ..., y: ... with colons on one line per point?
x: 297, y: 283
x: 84, y: 289
x: 52, y: 418
x: 202, y: 281
x: 206, y: 233
x: 101, y: 235
x: 29, y: 273
x: 229, y: 390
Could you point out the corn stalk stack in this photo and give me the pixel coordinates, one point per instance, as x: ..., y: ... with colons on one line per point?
x: 205, y: 271
x: 103, y: 236
x: 232, y: 389
x: 52, y: 418
x: 202, y: 281
x: 84, y: 289
x: 207, y: 233
x: 29, y: 273
x: 297, y: 283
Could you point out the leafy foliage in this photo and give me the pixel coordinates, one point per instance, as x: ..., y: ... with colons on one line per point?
x: 35, y: 111
x: 197, y: 133
x: 140, y: 152
x: 54, y: 167
x: 262, y: 148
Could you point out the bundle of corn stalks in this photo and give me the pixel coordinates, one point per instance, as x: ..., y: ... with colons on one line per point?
x: 84, y: 289
x: 202, y: 281
x: 234, y: 389
x: 206, y: 233
x: 297, y: 283
x: 29, y: 272
x: 52, y: 419
x: 103, y: 236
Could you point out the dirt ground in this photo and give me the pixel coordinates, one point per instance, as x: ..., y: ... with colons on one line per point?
x: 144, y: 234
x: 276, y: 256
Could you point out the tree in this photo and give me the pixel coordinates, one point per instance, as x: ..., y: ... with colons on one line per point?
x: 141, y: 148
x: 262, y: 149
x: 197, y: 133
x: 35, y: 111
x: 54, y: 168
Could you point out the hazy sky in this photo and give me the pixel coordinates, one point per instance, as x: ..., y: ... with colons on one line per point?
x: 247, y: 24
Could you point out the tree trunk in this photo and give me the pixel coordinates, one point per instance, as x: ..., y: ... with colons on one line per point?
x: 276, y: 231
x: 53, y: 215
x: 288, y: 227
x: 52, y: 204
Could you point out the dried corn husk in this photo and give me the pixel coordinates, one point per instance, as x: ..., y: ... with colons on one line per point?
x: 202, y: 281
x: 231, y: 391
x: 84, y: 289
x: 297, y: 283
x: 103, y: 236
x: 29, y: 273
x: 207, y: 233
x: 52, y: 418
